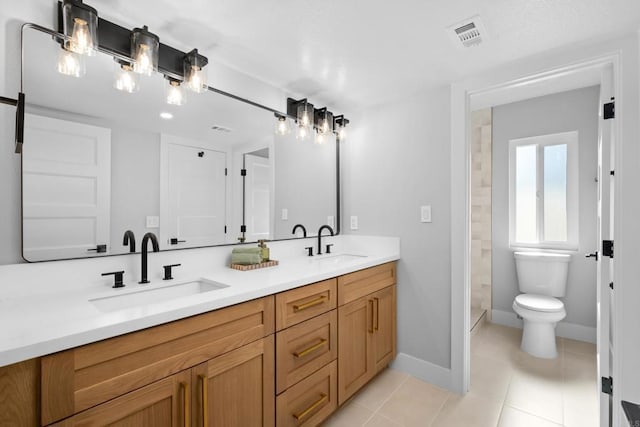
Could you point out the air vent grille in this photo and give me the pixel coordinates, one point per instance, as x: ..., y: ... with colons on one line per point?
x: 220, y: 128
x: 470, y: 32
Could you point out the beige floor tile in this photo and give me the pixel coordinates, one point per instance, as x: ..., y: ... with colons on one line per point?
x: 374, y: 394
x: 490, y: 378
x: 350, y: 415
x: 578, y: 347
x: 539, y: 396
x: 536, y: 367
x: 512, y: 417
x: 580, y: 368
x: 379, y: 421
x: 469, y: 411
x: 414, y: 403
x: 498, y: 342
x: 580, y: 391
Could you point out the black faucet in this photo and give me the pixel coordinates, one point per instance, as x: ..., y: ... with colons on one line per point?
x: 304, y: 230
x: 320, y: 237
x: 156, y: 248
x: 129, y: 239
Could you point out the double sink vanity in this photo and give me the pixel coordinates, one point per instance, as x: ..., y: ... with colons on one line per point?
x: 285, y: 345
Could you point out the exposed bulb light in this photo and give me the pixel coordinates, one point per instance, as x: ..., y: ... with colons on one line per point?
x: 80, y: 25
x: 71, y: 63
x: 175, y: 92
x: 302, y: 132
x: 320, y: 138
x: 282, y: 125
x: 144, y: 51
x: 126, y: 79
x: 195, y: 76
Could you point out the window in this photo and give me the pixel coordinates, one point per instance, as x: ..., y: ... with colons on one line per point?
x: 543, y: 191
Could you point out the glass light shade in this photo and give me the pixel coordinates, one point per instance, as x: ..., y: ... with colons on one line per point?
x: 342, y: 133
x: 71, y: 63
x: 80, y: 25
x: 304, y: 115
x: 195, y: 76
x: 282, y: 126
x: 175, y: 93
x: 321, y: 138
x: 126, y: 79
x: 144, y: 51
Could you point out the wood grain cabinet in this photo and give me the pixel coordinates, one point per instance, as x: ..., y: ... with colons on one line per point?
x: 366, y: 327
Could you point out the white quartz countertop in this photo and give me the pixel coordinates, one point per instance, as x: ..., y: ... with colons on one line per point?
x: 42, y: 323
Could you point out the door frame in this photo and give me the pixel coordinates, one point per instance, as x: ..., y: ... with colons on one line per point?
x: 461, y: 94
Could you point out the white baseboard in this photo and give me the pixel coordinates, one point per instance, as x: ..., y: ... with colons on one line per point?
x: 423, y: 370
x: 573, y: 331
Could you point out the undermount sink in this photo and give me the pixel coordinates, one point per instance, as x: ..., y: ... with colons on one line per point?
x: 338, y: 258
x: 154, y: 295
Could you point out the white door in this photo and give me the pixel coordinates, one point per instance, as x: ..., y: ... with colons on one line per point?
x: 606, y: 146
x: 66, y: 189
x: 193, y: 197
x: 257, y: 197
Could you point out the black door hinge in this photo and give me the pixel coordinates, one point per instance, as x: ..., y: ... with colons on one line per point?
x: 243, y: 228
x: 611, y: 285
x: 607, y: 385
x: 225, y: 171
x: 243, y: 172
x: 612, y: 173
x: 225, y: 229
x: 609, y: 110
x: 607, y: 248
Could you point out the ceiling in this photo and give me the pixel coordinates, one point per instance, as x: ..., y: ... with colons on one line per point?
x: 360, y: 53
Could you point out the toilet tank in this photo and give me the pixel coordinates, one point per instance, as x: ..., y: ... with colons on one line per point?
x: 542, y: 273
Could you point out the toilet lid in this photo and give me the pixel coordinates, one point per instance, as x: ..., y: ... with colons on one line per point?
x: 539, y: 302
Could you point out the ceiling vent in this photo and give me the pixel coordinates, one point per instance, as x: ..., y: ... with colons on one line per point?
x: 220, y: 129
x: 470, y: 32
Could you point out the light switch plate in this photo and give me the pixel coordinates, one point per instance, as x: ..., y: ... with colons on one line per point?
x: 425, y: 213
x: 285, y: 214
x: 153, y: 221
x: 354, y: 222
x: 331, y: 221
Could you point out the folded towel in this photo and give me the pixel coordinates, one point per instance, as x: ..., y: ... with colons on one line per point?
x: 246, y: 251
x: 245, y: 259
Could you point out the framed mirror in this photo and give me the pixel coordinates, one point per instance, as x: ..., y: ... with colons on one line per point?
x: 98, y: 162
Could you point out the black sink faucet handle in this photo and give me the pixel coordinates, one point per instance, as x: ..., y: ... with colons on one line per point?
x: 167, y: 271
x: 309, y: 250
x: 328, y: 248
x: 117, y: 278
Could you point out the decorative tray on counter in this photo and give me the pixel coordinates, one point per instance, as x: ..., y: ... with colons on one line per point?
x: 265, y: 264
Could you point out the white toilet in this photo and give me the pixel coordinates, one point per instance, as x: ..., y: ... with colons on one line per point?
x: 542, y: 276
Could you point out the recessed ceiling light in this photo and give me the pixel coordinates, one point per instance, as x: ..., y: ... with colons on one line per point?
x: 165, y: 115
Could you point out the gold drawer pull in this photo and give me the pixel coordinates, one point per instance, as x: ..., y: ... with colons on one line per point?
x: 370, y: 304
x: 377, y: 324
x: 186, y: 400
x: 205, y: 399
x: 309, y: 304
x: 310, y: 349
x: 303, y: 414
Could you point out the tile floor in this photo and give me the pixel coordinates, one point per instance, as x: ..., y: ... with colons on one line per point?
x: 509, y: 388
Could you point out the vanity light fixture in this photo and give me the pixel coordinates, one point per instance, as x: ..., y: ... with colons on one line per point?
x: 195, y: 77
x: 80, y: 26
x: 340, y: 125
x: 282, y: 125
x: 126, y: 79
x: 175, y: 92
x: 144, y: 50
x: 71, y: 63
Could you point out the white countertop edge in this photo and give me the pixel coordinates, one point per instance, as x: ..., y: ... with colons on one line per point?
x: 78, y: 334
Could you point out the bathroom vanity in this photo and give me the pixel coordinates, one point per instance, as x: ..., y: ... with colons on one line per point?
x: 288, y: 351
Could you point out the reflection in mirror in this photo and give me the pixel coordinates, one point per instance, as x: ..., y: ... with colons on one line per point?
x: 98, y: 162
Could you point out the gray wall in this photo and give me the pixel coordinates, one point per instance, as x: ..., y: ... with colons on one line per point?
x: 563, y: 112
x: 397, y: 158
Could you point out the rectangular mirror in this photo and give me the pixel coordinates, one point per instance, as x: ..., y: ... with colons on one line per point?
x: 98, y: 161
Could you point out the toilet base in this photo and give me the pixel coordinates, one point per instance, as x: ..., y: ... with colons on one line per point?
x: 539, y: 339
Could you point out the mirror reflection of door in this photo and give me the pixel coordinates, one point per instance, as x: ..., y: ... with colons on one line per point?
x: 193, y: 197
x: 257, y: 195
x: 66, y: 179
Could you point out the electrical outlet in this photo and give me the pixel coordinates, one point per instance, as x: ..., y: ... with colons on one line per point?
x: 285, y: 214
x: 425, y: 213
x: 354, y: 222
x: 153, y: 221
x: 331, y: 221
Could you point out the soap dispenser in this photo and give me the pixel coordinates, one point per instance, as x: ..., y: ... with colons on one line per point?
x: 264, y: 250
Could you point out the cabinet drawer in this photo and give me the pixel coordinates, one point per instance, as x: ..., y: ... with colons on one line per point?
x: 77, y: 379
x: 305, y: 347
x: 360, y: 283
x: 310, y: 401
x: 298, y: 305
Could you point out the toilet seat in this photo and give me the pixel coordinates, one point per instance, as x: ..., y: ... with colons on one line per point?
x: 541, y: 303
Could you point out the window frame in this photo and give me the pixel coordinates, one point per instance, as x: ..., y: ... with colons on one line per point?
x: 542, y: 141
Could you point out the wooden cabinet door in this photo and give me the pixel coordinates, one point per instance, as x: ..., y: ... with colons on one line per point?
x: 165, y: 403
x: 237, y: 388
x: 355, y: 340
x: 384, y: 327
